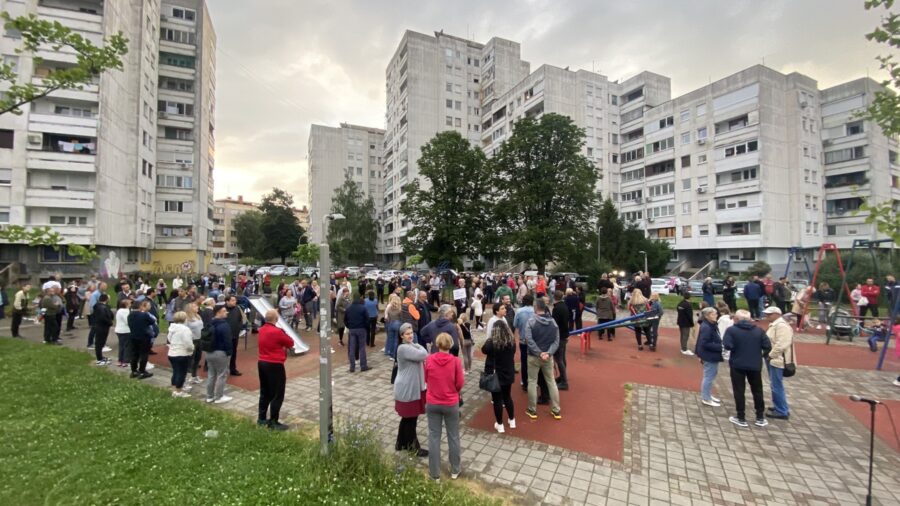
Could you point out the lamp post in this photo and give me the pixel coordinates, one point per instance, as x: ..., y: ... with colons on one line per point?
x: 599, y: 230
x: 326, y: 427
x: 645, y: 261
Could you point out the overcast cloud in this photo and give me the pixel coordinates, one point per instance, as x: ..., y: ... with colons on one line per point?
x: 285, y: 64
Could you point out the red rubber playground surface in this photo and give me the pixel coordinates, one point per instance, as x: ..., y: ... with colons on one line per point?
x: 593, y: 407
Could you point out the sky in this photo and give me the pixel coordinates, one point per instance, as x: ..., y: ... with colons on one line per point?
x: 283, y: 65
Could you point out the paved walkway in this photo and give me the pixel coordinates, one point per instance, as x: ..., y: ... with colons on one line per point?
x: 677, y: 451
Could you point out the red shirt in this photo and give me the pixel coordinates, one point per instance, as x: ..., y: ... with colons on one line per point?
x: 272, y: 344
x: 871, y: 292
x: 444, y: 378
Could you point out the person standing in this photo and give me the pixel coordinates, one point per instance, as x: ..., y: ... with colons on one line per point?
x: 573, y: 305
x: 445, y: 323
x: 637, y: 305
x: 747, y: 344
x: 500, y: 352
x: 102, y: 320
x: 870, y: 291
x: 467, y: 344
x: 709, y: 296
x: 307, y: 302
x: 824, y: 297
x: 340, y: 315
x: 561, y: 316
x: 424, y: 309
x: 51, y: 308
x: 72, y: 304
x: 656, y: 310
x: 372, y: 312
x: 729, y: 289
x: 606, y: 312
x: 444, y: 379
x: 19, y: 309
x: 753, y: 293
x: 409, y: 391
x: 782, y: 338
x: 357, y: 321
x: 499, y: 316
x: 141, y: 329
x: 709, y: 351
x: 523, y: 316
x: 379, y: 289
x: 273, y: 346
x: 123, y: 332
x: 235, y: 319
x: 434, y: 291
x: 408, y: 314
x: 542, y: 340
x: 181, y: 349
x: 392, y: 322
x: 217, y: 359
x: 195, y: 321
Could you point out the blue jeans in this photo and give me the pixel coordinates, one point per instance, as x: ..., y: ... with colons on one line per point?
x: 710, y: 369
x: 709, y: 299
x: 179, y: 369
x: 393, y: 332
x: 779, y: 398
x: 762, y: 306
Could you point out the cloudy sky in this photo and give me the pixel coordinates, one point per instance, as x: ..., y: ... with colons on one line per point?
x: 283, y: 65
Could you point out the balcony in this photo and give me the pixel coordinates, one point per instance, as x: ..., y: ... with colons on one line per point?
x: 168, y: 119
x: 62, y: 125
x: 59, y: 199
x: 83, y: 15
x: 740, y: 214
x: 70, y: 162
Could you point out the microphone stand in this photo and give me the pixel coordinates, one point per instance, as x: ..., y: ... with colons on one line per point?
x: 872, y: 407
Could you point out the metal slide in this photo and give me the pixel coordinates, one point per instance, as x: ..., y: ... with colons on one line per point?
x: 261, y: 305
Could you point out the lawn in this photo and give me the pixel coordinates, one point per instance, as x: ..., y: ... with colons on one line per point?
x: 74, y: 434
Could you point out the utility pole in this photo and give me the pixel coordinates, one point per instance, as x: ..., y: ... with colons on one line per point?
x: 326, y: 424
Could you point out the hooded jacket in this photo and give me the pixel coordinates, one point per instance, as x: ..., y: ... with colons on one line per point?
x: 748, y: 344
x: 433, y: 329
x: 541, y: 335
x: 222, y: 336
x: 709, y: 343
x: 444, y: 379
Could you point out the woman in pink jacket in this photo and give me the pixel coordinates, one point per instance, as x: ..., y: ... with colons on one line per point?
x: 444, y: 380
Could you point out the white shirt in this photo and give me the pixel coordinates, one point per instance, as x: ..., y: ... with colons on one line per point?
x: 181, y: 340
x: 51, y: 284
x: 177, y: 283
x: 122, y: 321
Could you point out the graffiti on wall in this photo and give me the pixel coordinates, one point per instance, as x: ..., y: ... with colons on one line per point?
x: 172, y: 268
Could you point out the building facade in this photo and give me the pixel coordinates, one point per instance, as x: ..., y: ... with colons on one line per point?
x: 225, y: 247
x: 348, y: 151
x: 85, y: 162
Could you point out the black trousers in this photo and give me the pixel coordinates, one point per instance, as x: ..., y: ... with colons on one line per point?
x: 70, y: 323
x: 501, y: 399
x: 637, y: 334
x: 560, y: 358
x: 198, y: 353
x: 731, y: 302
x: 51, y: 328
x: 16, y: 322
x: 100, y: 335
x: 610, y: 332
x: 59, y: 320
x: 871, y: 308
x: 234, y: 347
x: 407, y: 439
x: 738, y: 377
x: 272, y: 379
x: 372, y: 329
x: 434, y: 298
x: 140, y: 351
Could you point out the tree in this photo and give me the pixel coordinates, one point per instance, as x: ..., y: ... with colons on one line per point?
x: 449, y: 216
x: 547, y: 190
x: 280, y: 227
x: 885, y: 112
x: 307, y: 254
x: 90, y: 60
x: 759, y: 268
x: 45, y: 236
x: 248, y: 230
x: 352, y: 240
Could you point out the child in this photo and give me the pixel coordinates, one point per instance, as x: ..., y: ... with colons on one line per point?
x: 877, y: 333
x: 478, y: 310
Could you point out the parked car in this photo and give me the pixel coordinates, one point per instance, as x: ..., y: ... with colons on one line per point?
x: 259, y: 270
x: 339, y: 274
x: 675, y: 283
x: 231, y: 268
x: 373, y: 274
x: 352, y: 272
x: 659, y: 285
x: 797, y: 286
x: 277, y: 270
x: 580, y: 280
x: 309, y: 271
x: 718, y: 285
x: 389, y: 275
x: 695, y: 288
x: 292, y: 271
x: 739, y: 287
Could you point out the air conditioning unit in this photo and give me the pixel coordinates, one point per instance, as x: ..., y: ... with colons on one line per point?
x: 163, y: 114
x: 35, y: 140
x: 702, y: 189
x: 827, y: 142
x: 639, y: 201
x: 650, y: 219
x: 164, y: 17
x: 648, y: 199
x: 701, y: 141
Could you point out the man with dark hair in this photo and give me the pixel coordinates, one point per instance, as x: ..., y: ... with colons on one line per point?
x: 20, y: 308
x: 103, y: 319
x: 424, y: 309
x: 235, y: 319
x: 747, y: 344
x: 561, y: 317
x: 542, y: 341
x: 357, y: 321
x: 141, y: 328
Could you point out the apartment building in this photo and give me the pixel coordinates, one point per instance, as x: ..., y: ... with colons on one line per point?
x: 185, y: 135
x: 859, y: 161
x: 225, y: 247
x: 88, y: 162
x: 434, y: 84
x: 338, y: 153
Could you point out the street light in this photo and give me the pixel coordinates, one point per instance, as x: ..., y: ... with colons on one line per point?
x: 645, y: 261
x: 326, y: 426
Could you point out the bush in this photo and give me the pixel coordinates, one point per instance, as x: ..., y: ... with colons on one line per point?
x: 760, y: 269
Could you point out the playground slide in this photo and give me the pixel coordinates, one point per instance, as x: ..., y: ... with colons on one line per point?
x: 261, y: 305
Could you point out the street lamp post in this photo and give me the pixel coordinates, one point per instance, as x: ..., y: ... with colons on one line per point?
x: 645, y: 261
x: 599, y: 230
x: 326, y: 427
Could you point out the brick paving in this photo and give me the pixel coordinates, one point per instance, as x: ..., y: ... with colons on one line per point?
x: 677, y: 451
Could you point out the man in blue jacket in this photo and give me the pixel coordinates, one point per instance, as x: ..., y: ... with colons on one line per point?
x: 141, y: 326
x: 753, y: 292
x: 217, y: 360
x: 747, y: 344
x: 357, y: 321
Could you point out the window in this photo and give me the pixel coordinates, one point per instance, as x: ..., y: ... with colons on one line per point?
x: 660, y: 168
x: 632, y: 115
x: 686, y: 161
x: 685, y: 208
x: 703, y: 229
x: 831, y: 230
x: 448, y: 103
x: 686, y: 231
x: 175, y: 231
x: 458, y: 123
x: 701, y: 159
x: 855, y: 127
x: 701, y: 133
x: 614, y: 100
x: 5, y: 177
x: 177, y: 60
x: 449, y: 87
x: 632, y: 195
x: 176, y: 108
x: 843, y: 155
x: 6, y: 139
x: 686, y: 184
x: 685, y: 115
x: 661, y: 190
x: 180, y: 134
x: 179, y: 36
x: 701, y: 109
x: 660, y: 145
x: 661, y: 211
x: 448, y: 120
x: 736, y: 176
x: 185, y: 14
x: 633, y: 216
x: 171, y: 83
x: 166, y: 181
x: 666, y: 122
x: 686, y: 138
x: 633, y: 175
x: 635, y: 154
x: 176, y: 206
x: 57, y: 220
x: 703, y: 206
x: 739, y: 228
x: 740, y: 149
x: 60, y: 255
x: 4, y: 216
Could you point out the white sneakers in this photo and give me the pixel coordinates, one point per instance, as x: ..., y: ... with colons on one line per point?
x: 150, y: 366
x: 180, y: 394
x: 710, y: 403
x: 499, y: 428
x: 196, y: 380
x: 222, y: 400
x: 896, y: 383
x: 512, y: 423
x: 454, y: 476
x: 688, y: 353
x: 714, y: 399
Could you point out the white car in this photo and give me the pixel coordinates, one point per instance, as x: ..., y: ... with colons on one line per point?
x: 277, y: 270
x: 373, y: 275
x: 389, y: 275
x: 352, y: 272
x: 262, y: 270
x: 659, y: 285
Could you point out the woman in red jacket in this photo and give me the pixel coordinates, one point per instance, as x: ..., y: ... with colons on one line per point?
x: 444, y: 380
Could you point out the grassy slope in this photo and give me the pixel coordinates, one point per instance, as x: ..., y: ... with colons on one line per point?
x: 73, y: 434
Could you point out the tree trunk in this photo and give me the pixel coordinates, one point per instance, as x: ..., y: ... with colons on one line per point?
x: 540, y: 267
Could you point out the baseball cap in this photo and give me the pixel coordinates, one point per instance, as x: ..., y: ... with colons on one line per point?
x: 772, y: 310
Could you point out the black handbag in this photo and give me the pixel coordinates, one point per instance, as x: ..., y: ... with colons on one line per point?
x: 791, y: 369
x: 489, y: 382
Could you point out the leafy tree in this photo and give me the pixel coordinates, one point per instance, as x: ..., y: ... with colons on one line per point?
x: 547, y: 190
x: 352, y: 240
x: 449, y: 215
x: 307, y: 254
x: 885, y: 111
x: 46, y: 236
x: 90, y: 60
x: 759, y: 268
x: 248, y: 230
x: 415, y: 260
x: 281, y: 229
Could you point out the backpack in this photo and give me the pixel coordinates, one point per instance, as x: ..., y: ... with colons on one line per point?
x: 207, y: 338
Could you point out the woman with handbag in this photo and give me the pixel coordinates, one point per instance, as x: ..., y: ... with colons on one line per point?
x: 409, y: 391
x: 637, y: 305
x: 467, y: 344
x: 500, y: 372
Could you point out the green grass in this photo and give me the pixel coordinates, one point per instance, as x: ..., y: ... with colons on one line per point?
x: 74, y: 434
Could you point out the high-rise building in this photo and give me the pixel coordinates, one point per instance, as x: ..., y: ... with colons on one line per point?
x: 92, y: 163
x: 350, y: 151
x: 225, y: 247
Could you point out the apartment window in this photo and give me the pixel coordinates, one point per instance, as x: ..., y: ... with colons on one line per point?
x: 174, y: 181
x: 57, y: 220
x: 854, y: 128
x: 171, y: 83
x: 449, y: 87
x: 12, y: 61
x: 685, y: 115
x: 614, y: 138
x: 177, y: 232
x: 5, y: 177
x: 632, y: 195
x: 686, y: 138
x: 703, y: 206
x: 686, y: 161
x: 180, y: 134
x: 701, y: 109
x: 703, y: 229
x: 176, y: 206
x: 701, y: 159
x: 146, y: 137
x: 76, y: 112
x: 6, y: 139
x: 614, y: 158
x: 458, y: 105
x: 806, y: 175
x: 686, y: 184
x: 448, y: 120
x: 176, y: 108
x: 633, y: 216
x: 177, y: 60
x: 843, y: 155
x: 614, y: 100
x: 185, y: 14
x: 685, y: 208
x: 448, y: 103
x: 740, y: 149
x: 736, y: 176
x: 635, y: 154
x: 701, y: 133
x: 686, y: 231
x: 180, y: 36
x: 661, y: 145
x: 831, y: 230
x: 666, y: 122
x: 633, y: 175
x: 633, y: 115
x: 4, y: 216
x: 739, y: 228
